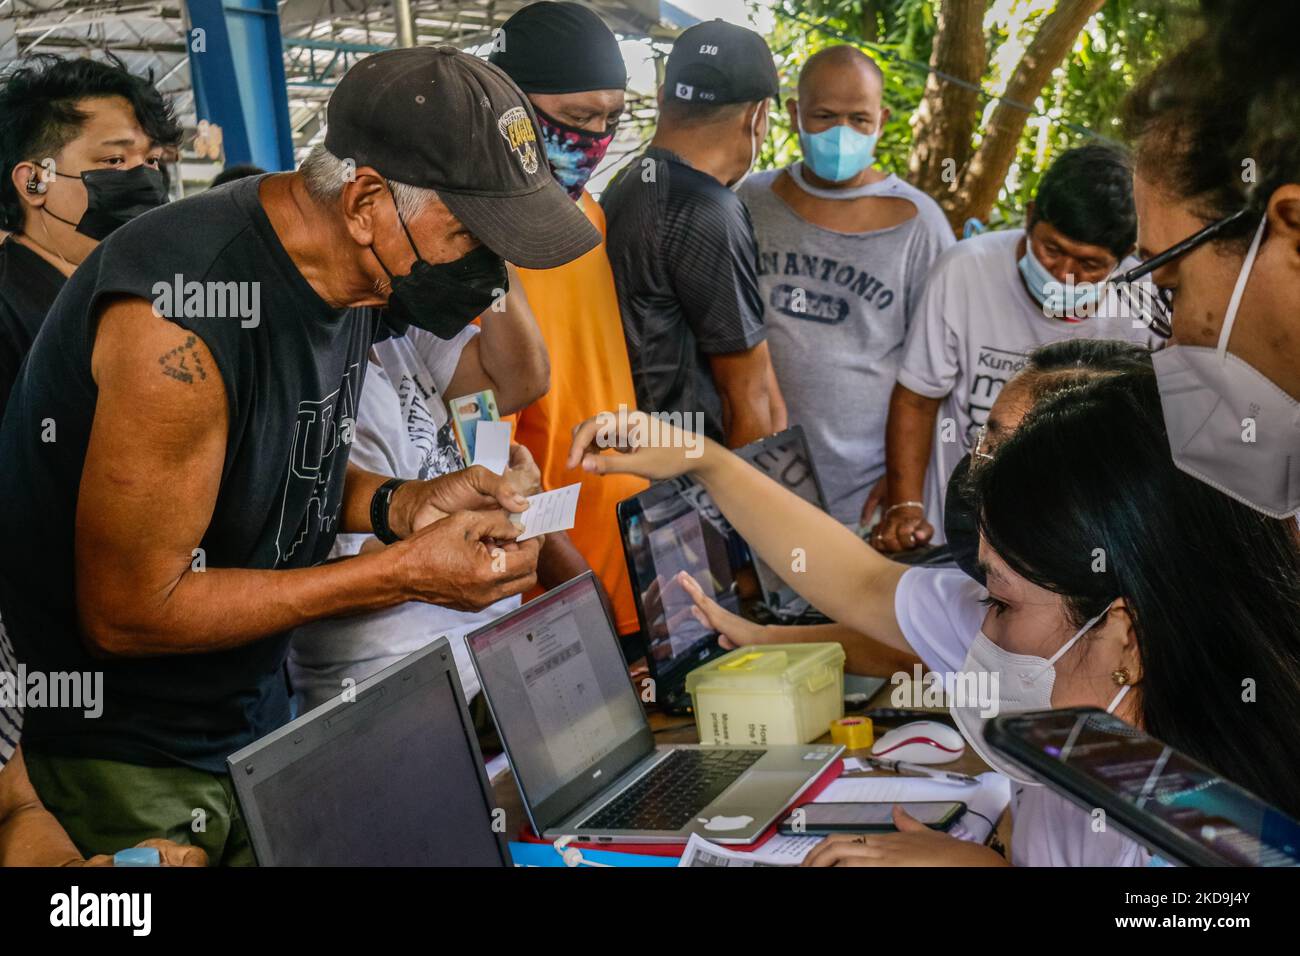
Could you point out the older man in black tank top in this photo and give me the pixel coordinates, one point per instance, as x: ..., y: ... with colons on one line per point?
x: 176, y: 445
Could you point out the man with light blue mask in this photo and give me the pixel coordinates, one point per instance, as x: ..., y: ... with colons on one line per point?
x: 989, y: 301
x: 843, y: 253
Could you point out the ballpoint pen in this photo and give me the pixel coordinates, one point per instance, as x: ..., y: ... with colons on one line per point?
x: 895, y: 766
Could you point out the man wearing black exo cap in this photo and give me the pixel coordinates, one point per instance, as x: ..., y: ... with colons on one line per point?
x: 176, y: 445
x: 682, y: 246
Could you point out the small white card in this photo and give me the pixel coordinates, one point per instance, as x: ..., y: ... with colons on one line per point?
x: 492, y: 445
x: 549, y: 511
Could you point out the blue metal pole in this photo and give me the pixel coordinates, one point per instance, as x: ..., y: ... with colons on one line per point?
x: 237, y: 66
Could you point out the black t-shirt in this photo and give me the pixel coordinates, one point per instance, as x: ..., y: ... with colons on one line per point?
x: 292, y: 382
x: 682, y: 248
x: 28, y: 287
x: 11, y: 715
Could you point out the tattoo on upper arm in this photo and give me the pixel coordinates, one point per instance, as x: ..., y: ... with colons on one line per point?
x: 183, y: 363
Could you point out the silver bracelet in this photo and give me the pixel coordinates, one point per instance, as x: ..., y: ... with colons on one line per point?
x: 905, y: 504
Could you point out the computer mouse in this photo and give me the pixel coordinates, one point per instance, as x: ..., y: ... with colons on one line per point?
x: 921, y: 741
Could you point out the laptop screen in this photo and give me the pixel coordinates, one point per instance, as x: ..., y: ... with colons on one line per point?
x: 560, y: 694
x: 392, y: 778
x: 675, y: 526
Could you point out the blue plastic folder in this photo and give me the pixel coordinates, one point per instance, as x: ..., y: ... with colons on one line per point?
x: 543, y: 854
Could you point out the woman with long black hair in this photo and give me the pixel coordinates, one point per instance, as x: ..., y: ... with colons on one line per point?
x: 1128, y: 584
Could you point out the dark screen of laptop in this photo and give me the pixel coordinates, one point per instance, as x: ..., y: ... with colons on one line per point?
x: 671, y: 528
x: 398, y: 786
x: 675, y: 526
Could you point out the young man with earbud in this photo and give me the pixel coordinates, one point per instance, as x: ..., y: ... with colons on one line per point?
x: 81, y: 146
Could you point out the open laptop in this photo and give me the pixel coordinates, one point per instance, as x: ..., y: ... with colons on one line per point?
x: 393, y: 777
x: 674, y: 526
x: 582, y: 750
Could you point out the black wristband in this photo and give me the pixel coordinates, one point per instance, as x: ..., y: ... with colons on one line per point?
x: 379, y: 503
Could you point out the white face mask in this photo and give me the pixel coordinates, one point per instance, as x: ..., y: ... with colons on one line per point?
x: 1228, y: 425
x: 1024, y: 682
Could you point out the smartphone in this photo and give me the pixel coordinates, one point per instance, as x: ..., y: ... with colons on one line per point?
x: 821, y: 819
x: 1171, y: 804
x: 466, y: 412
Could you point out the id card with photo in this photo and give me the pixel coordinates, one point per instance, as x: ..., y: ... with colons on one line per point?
x: 466, y: 412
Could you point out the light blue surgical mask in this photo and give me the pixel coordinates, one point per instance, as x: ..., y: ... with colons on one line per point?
x: 838, y: 153
x: 1058, y: 299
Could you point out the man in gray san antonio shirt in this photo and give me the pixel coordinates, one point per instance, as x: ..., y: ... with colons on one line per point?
x: 843, y: 252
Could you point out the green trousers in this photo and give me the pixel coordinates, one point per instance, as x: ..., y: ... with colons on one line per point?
x: 108, y: 806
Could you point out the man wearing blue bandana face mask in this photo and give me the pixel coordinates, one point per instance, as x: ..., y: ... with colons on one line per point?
x: 568, y: 64
x: 988, y: 302
x: 843, y: 252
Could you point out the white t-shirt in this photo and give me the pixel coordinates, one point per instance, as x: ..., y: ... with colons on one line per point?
x: 402, y: 430
x: 971, y: 332
x: 939, y: 613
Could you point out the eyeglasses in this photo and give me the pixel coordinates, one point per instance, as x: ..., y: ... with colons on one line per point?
x: 1156, y: 305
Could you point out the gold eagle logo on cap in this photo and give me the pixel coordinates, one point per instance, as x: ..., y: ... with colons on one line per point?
x: 517, y: 129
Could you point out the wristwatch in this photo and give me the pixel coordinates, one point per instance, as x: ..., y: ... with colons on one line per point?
x: 379, y: 503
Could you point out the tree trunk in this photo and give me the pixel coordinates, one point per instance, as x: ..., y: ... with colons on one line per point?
x: 945, y: 119
x: 870, y: 23
x: 988, y: 167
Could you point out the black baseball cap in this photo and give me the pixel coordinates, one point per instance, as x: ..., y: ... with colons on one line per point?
x: 718, y: 62
x: 441, y: 119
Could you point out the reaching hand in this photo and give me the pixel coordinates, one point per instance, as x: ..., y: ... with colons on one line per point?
x: 651, y: 449
x: 915, y: 844
x: 733, y: 630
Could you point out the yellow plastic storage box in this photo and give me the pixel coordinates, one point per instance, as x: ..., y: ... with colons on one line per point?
x: 768, y: 694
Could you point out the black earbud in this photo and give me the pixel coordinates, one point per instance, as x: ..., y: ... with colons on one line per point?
x: 35, y: 185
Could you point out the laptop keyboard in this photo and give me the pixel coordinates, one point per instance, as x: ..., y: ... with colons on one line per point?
x: 679, y: 787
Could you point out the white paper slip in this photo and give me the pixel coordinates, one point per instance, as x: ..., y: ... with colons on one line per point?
x: 549, y: 511
x: 785, y: 849
x: 700, y: 852
x: 492, y: 445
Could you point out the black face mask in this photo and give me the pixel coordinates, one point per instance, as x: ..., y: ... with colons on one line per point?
x: 960, y: 525
x: 446, y: 297
x: 116, y: 196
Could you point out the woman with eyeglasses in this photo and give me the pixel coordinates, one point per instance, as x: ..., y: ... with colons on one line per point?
x: 1193, y: 609
x: 1217, y: 187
